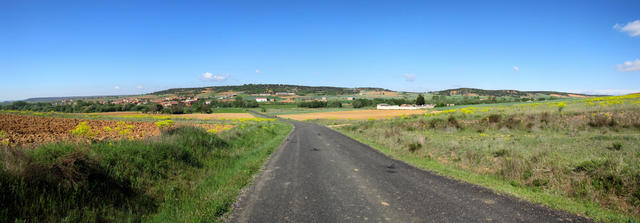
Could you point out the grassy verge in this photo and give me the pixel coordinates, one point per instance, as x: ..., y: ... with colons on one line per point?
x: 186, y: 175
x: 578, y: 156
x: 549, y: 199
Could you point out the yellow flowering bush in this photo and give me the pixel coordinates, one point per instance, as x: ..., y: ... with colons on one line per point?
x: 164, y: 124
x: 83, y: 130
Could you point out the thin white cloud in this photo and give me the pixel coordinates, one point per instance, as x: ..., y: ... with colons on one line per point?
x: 139, y: 87
x: 210, y: 77
x: 257, y: 71
x: 629, y: 66
x: 410, y: 77
x: 631, y: 28
x: 207, y: 76
x: 609, y: 92
x: 116, y: 87
x: 516, y: 69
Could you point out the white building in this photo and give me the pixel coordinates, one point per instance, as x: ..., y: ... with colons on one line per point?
x: 403, y: 107
x: 262, y: 99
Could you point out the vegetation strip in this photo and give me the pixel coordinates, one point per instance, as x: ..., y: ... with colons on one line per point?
x: 187, y: 174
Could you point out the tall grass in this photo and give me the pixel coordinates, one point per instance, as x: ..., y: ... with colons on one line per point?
x: 186, y: 174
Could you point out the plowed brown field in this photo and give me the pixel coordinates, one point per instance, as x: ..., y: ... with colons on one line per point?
x: 26, y: 130
x: 356, y: 114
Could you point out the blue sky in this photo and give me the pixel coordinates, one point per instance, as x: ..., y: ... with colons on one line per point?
x: 70, y: 48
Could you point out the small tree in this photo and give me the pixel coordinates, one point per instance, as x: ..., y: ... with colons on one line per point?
x: 334, y: 104
x: 358, y: 104
x: 420, y: 100
x: 239, y: 102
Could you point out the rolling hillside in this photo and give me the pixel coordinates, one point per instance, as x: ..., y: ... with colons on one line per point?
x: 268, y: 88
x: 506, y: 93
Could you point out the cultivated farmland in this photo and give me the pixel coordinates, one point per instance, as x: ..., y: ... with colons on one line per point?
x: 355, y: 114
x: 20, y: 130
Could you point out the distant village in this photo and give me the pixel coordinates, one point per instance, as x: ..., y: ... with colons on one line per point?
x: 282, y: 97
x: 188, y: 101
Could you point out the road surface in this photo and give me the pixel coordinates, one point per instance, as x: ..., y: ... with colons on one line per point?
x: 319, y: 175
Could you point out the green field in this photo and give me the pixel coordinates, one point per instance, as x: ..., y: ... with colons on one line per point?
x: 582, y: 156
x: 184, y: 175
x: 229, y: 110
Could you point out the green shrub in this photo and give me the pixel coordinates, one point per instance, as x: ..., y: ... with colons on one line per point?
x: 334, y: 104
x: 527, y: 174
x: 539, y: 182
x: 436, y: 123
x: 592, y: 166
x: 615, y: 146
x: 414, y: 146
x: 494, y: 118
x: 453, y: 121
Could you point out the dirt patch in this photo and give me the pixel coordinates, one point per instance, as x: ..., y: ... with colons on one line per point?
x: 356, y: 114
x: 577, y: 96
x: 337, y: 126
x: 20, y: 130
x: 27, y: 130
x: 387, y: 93
x: 558, y: 96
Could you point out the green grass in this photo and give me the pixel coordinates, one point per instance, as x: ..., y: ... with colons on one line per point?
x: 583, y: 157
x: 229, y: 110
x: 186, y: 175
x: 275, y: 106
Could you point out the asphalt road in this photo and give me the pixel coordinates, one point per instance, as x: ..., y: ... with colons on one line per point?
x: 319, y: 175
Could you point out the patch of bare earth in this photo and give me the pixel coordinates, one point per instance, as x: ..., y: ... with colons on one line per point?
x: 32, y: 130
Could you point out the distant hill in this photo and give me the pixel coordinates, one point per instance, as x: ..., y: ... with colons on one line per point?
x: 51, y: 99
x: 506, y: 93
x: 268, y: 88
x: 317, y: 90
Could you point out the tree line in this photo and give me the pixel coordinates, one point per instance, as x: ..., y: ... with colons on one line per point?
x: 200, y: 106
x: 81, y: 106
